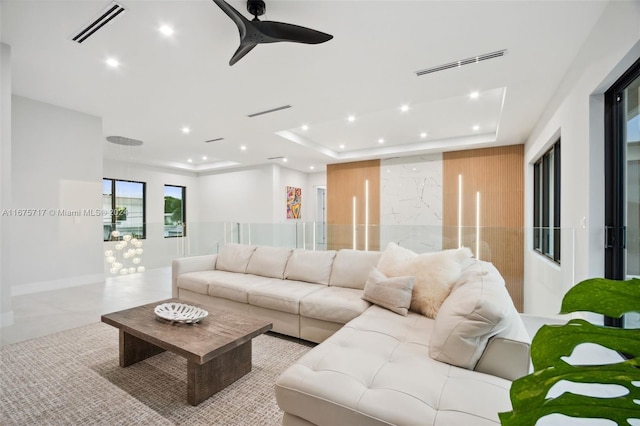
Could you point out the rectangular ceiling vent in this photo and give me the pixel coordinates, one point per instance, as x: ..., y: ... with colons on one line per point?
x: 456, y: 64
x: 104, y: 17
x: 275, y: 158
x: 255, y: 114
x: 214, y: 140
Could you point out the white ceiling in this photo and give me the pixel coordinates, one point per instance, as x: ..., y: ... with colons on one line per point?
x: 366, y: 70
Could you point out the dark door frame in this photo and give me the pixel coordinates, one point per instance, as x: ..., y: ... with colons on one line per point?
x: 614, y: 169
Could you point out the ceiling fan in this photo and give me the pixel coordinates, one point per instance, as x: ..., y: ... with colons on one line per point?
x: 255, y: 31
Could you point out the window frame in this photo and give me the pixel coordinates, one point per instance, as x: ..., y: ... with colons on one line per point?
x: 546, y: 203
x: 184, y: 209
x: 113, y: 208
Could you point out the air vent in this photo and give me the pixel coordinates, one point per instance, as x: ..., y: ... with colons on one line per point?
x: 110, y: 12
x: 456, y: 64
x: 269, y: 111
x: 275, y: 158
x: 214, y: 140
x: 121, y: 140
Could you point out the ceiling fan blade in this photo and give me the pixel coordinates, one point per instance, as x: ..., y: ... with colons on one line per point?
x: 255, y: 31
x: 240, y: 21
x: 242, y: 50
x: 280, y: 31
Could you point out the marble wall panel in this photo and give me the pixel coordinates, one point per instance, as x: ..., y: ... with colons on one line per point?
x: 411, y: 202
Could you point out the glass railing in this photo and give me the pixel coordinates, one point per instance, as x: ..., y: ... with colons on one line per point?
x: 511, y: 250
x: 486, y: 243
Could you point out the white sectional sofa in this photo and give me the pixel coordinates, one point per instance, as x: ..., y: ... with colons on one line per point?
x: 373, y: 366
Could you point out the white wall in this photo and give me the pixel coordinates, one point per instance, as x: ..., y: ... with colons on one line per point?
x: 576, y: 112
x: 256, y: 196
x: 56, y: 165
x: 159, y: 251
x: 241, y: 195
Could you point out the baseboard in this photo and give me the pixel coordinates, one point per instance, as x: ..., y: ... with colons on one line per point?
x: 6, y: 319
x: 41, y: 286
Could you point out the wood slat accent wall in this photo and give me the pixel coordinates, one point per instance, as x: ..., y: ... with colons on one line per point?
x: 498, y: 174
x: 344, y: 181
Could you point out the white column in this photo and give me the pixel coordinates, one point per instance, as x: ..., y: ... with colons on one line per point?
x: 6, y: 312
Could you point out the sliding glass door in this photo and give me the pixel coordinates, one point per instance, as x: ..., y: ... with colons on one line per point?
x: 622, y: 183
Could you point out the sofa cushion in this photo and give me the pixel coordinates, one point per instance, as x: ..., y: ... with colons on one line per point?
x: 234, y: 286
x: 334, y: 304
x: 310, y: 266
x: 476, y: 310
x: 392, y: 293
x: 351, y: 267
x: 269, y: 262
x: 435, y: 273
x: 195, y: 281
x: 281, y: 295
x: 234, y: 257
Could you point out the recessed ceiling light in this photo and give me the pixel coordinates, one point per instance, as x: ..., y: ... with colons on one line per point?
x: 380, y: 140
x: 476, y: 128
x: 243, y: 147
x: 342, y: 146
x: 186, y: 130
x: 204, y: 157
x: 423, y: 135
x: 351, y: 118
x: 474, y: 95
x: 166, y: 30
x: 284, y: 160
x: 190, y: 160
x: 112, y: 62
x: 311, y: 167
x: 305, y: 127
x: 404, y: 108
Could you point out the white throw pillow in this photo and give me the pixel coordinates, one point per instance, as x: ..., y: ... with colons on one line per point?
x: 391, y: 293
x: 435, y: 274
x: 234, y: 258
x: 475, y: 311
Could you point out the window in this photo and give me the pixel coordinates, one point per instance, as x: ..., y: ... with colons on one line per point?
x: 546, y: 203
x: 123, y: 204
x: 175, y: 211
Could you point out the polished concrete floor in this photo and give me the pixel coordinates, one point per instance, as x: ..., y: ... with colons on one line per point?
x: 39, y: 314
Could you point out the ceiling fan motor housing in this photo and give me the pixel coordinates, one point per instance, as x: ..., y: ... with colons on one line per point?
x: 256, y: 7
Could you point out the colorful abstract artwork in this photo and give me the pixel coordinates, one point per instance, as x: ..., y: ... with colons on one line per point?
x: 294, y: 202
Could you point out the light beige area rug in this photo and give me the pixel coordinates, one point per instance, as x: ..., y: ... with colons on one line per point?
x: 73, y: 378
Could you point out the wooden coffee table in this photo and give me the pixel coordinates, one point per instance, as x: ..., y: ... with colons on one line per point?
x: 217, y: 349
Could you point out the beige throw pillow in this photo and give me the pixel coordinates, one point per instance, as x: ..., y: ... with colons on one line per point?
x: 391, y: 293
x: 474, y: 312
x: 435, y: 274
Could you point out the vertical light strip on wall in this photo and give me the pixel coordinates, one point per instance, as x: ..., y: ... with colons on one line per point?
x: 366, y: 215
x: 459, y: 210
x: 354, y: 222
x: 478, y: 225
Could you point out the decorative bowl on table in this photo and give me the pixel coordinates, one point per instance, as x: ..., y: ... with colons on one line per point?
x: 179, y: 312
